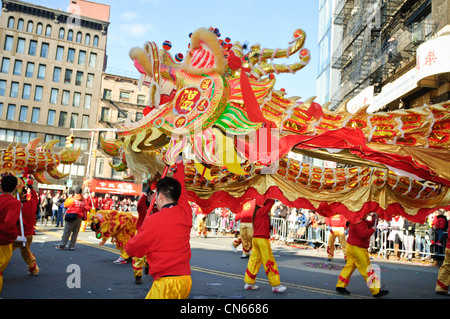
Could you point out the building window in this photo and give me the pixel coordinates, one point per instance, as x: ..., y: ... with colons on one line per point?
x: 59, y: 53
x: 85, y: 121
x: 51, y: 117
x: 79, y: 78
x: 44, y: 50
x: 141, y: 99
x: 35, y: 115
x: 17, y: 67
x: 8, y: 43
x: 71, y: 55
x: 39, y: 29
x: 20, y: 46
x: 5, y: 65
x: 73, y: 120
x: 30, y: 26
x: 65, y: 98
x: 90, y: 80
x: 139, y: 116
x: 107, y: 94
x: 78, y: 39
x: 87, y: 39
x: 76, y: 99
x: 70, y: 35
x: 38, y: 93
x: 30, y: 70
x: 16, y: 136
x: 81, y: 57
x: 14, y: 89
x: 124, y: 96
x: 62, y: 119
x: 2, y: 88
x: 92, y: 60
x: 48, y: 30
x: 68, y: 76
x: 11, y: 23
x: 61, y: 33
x: 56, y: 74
x: 87, y: 101
x: 26, y: 91
x: 105, y: 115
x: 95, y: 41
x: 41, y: 72
x: 20, y: 25
x: 10, y: 112
x: 33, y: 47
x: 23, y: 113
x: 54, y: 96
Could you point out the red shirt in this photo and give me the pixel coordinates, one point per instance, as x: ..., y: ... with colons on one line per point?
x: 106, y: 203
x: 164, y: 237
x: 336, y: 221
x: 9, y: 217
x: 261, y: 222
x: 29, y: 208
x: 359, y: 234
x: 77, y: 204
x: 246, y: 214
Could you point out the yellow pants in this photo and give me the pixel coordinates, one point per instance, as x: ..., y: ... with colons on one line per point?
x: 443, y: 279
x: 172, y: 287
x: 338, y: 232
x: 27, y: 255
x: 138, y: 265
x: 359, y: 258
x: 262, y: 253
x: 246, y: 237
x: 5, y: 257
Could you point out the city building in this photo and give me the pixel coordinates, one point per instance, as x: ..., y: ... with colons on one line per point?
x: 391, y: 54
x: 51, y: 73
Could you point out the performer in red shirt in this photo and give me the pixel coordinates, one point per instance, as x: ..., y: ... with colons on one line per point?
x: 261, y: 251
x: 164, y: 239
x: 443, y: 279
x: 30, y: 201
x: 336, y: 225
x: 357, y: 256
x: 9, y: 217
x: 245, y: 228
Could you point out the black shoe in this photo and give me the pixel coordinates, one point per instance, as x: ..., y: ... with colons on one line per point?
x: 381, y: 293
x: 137, y: 280
x: 342, y: 291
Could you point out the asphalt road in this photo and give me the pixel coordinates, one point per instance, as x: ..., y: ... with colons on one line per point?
x: 88, y: 273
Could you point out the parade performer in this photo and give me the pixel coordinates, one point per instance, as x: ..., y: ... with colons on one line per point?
x: 9, y: 217
x: 30, y: 201
x: 77, y: 208
x: 117, y: 226
x: 262, y: 251
x: 245, y: 228
x: 201, y: 222
x: 359, y: 234
x: 337, y: 225
x: 106, y: 202
x: 443, y: 279
x: 142, y: 208
x: 164, y: 239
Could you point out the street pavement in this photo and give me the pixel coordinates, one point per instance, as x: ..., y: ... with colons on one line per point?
x: 88, y: 273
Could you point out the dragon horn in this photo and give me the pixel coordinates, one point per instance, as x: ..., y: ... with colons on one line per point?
x: 49, y: 145
x: 33, y: 143
x: 56, y: 174
x: 69, y: 156
x: 258, y: 55
x: 40, y: 178
x: 110, y: 148
x: 265, y: 68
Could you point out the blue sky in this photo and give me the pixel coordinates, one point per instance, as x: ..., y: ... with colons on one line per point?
x: 269, y: 23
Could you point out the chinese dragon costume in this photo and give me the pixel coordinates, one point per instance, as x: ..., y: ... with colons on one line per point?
x: 218, y: 106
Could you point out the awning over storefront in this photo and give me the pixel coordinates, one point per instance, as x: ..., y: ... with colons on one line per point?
x: 114, y: 187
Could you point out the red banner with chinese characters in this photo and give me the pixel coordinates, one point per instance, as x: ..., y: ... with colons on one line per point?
x: 114, y: 187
